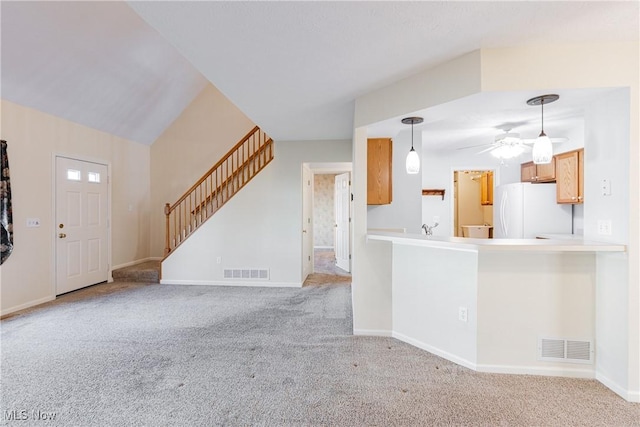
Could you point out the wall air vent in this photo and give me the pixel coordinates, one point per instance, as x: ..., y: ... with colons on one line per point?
x: 246, y: 273
x: 565, y: 350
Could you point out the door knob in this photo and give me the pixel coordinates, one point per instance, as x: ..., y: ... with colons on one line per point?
x: 304, y: 231
x: 62, y: 235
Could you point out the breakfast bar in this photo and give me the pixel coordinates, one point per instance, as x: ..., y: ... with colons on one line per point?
x: 522, y: 306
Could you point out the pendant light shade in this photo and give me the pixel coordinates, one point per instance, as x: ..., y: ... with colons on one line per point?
x: 413, y: 159
x: 413, y: 162
x: 542, y: 149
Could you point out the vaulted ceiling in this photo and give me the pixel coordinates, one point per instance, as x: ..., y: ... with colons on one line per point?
x: 295, y: 68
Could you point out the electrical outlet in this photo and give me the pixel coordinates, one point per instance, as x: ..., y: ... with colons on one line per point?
x: 604, y: 227
x: 462, y: 314
x: 219, y: 260
x: 33, y: 222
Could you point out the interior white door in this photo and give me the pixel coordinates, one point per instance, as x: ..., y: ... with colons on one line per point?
x: 307, y: 224
x: 342, y: 198
x: 81, y: 224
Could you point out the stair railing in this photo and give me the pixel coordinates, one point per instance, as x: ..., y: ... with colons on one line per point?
x: 216, y: 187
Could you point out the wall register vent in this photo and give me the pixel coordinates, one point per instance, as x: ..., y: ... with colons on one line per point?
x: 246, y: 273
x: 565, y: 350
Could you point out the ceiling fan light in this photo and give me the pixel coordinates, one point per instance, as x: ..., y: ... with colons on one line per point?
x: 413, y: 162
x: 542, y: 150
x: 507, y: 151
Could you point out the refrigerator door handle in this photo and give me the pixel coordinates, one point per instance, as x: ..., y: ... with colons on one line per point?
x: 503, y: 211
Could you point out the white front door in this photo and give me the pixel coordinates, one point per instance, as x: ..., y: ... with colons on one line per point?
x: 81, y: 224
x: 342, y: 202
x: 307, y: 224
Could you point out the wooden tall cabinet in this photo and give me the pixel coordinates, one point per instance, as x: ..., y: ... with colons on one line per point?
x: 379, y: 171
x: 570, y: 177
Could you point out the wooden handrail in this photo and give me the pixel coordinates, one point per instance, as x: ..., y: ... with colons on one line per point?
x: 231, y: 173
x: 216, y: 166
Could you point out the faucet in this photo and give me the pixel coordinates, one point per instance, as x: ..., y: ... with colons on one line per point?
x: 429, y: 230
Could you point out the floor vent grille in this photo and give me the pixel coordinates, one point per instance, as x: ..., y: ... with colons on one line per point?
x: 246, y: 273
x: 565, y: 350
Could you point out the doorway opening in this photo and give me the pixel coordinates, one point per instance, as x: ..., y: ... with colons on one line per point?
x: 473, y: 203
x: 327, y: 219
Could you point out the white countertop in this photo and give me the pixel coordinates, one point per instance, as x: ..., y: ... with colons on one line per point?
x: 560, y: 236
x: 471, y: 244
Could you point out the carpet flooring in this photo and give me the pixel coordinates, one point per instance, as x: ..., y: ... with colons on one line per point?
x: 132, y: 354
x: 146, y: 272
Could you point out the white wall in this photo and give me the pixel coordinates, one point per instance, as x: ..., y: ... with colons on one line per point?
x: 429, y: 285
x: 260, y: 227
x: 205, y: 131
x: 606, y: 154
x: 606, y: 157
x: 404, y: 210
x: 526, y: 296
x: 34, y: 138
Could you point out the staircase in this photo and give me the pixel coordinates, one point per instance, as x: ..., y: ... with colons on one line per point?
x: 216, y: 187
x: 147, y: 272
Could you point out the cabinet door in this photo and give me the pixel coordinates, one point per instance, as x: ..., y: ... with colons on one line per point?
x: 379, y: 171
x: 546, y: 173
x: 487, y: 189
x: 567, y: 177
x: 528, y: 172
x: 581, y: 175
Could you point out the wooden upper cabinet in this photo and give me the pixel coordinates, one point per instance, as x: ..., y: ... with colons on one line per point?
x: 570, y: 177
x: 530, y: 172
x: 486, y: 194
x: 379, y: 171
x: 546, y: 173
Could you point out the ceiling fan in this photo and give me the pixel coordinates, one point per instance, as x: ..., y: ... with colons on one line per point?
x: 509, y: 144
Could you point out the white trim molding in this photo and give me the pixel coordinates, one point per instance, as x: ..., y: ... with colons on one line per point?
x: 538, y: 370
x: 628, y: 395
x: 234, y: 283
x: 372, y: 332
x: 434, y: 350
x: 27, y: 305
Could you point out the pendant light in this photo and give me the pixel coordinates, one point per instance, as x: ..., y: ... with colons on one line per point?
x: 413, y: 159
x: 542, y: 149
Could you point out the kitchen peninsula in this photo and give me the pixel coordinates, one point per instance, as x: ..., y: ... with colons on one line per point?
x: 523, y: 306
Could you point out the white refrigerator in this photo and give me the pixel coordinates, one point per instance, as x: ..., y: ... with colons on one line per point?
x: 523, y: 210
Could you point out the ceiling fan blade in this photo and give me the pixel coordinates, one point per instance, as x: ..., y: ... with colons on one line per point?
x: 474, y: 146
x: 486, y: 149
x: 553, y: 140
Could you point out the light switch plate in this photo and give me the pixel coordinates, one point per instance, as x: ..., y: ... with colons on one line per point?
x: 606, y: 187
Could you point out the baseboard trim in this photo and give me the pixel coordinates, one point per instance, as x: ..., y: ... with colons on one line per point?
x: 537, y: 370
x: 323, y: 247
x: 434, y: 350
x: 234, y: 283
x: 629, y: 396
x: 26, y: 305
x: 372, y: 332
x: 139, y: 261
